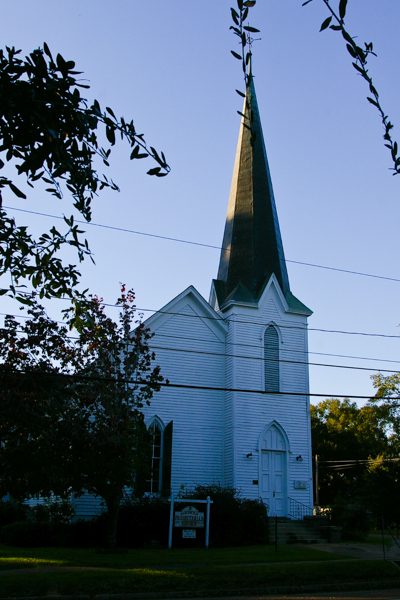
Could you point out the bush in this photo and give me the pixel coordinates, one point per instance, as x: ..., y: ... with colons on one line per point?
x: 234, y: 521
x: 58, y: 511
x: 353, y: 517
x: 87, y: 533
x: 31, y: 534
x: 10, y: 512
x: 143, y: 521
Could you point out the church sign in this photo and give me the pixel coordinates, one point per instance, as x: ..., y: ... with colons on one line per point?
x: 189, y: 517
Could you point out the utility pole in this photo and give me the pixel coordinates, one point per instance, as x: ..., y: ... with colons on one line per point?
x: 316, y: 482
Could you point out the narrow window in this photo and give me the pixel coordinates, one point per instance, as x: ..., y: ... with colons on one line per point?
x: 271, y: 356
x: 153, y: 483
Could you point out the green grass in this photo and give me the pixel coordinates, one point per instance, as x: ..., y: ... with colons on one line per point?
x: 78, y: 557
x: 187, y: 579
x: 377, y: 541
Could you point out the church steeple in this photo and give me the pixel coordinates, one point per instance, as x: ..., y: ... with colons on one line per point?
x: 252, y: 246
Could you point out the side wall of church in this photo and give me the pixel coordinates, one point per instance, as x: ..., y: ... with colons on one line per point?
x: 189, y: 352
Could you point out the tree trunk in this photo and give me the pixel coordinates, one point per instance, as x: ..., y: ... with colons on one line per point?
x: 112, y: 518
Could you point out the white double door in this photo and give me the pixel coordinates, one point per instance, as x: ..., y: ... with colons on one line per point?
x: 273, y: 481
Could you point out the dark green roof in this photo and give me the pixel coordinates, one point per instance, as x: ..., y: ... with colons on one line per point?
x: 252, y: 246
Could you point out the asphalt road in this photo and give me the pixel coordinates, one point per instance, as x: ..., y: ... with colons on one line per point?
x: 375, y: 594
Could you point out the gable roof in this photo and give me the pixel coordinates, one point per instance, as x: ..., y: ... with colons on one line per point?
x: 199, y: 305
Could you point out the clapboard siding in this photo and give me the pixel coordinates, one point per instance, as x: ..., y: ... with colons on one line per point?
x: 252, y: 411
x: 190, y: 351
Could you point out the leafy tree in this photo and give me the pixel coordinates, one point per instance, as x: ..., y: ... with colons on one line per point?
x: 70, y: 410
x: 360, y: 56
x: 388, y: 398
x: 342, y: 434
x: 382, y: 488
x: 48, y: 132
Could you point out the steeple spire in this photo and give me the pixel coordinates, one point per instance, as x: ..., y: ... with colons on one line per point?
x: 252, y: 246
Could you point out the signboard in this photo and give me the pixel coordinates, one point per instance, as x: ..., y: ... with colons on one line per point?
x: 188, y: 533
x: 189, y: 517
x: 300, y: 485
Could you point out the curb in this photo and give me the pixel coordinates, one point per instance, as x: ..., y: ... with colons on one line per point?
x: 269, y: 591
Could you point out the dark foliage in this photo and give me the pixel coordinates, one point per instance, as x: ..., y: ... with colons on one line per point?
x: 32, y: 534
x: 234, y: 521
x: 143, y: 521
x: 354, y: 518
x: 48, y: 132
x: 10, y: 512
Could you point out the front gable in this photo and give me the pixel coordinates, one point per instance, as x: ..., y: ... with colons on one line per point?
x: 194, y: 306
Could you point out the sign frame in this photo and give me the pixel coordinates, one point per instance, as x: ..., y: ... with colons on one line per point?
x: 173, y: 501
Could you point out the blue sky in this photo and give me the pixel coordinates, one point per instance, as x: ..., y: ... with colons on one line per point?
x: 168, y: 66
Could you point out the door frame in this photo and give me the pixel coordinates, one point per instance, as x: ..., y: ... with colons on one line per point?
x: 286, y: 451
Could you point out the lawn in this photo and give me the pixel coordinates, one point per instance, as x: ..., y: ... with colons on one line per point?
x: 189, y: 579
x: 14, y: 558
x: 66, y: 571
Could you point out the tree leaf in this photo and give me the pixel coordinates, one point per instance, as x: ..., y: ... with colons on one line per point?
x: 236, y: 55
x: 351, y: 50
x: 241, y: 94
x: 372, y: 101
x: 326, y: 23
x: 235, y: 16
x: 110, y: 133
x: 249, y: 3
x: 342, y: 8
x: 307, y: 2
x: 251, y: 29
x: 16, y: 191
x: 154, y: 171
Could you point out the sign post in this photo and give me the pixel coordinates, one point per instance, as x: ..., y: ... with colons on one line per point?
x: 189, y: 519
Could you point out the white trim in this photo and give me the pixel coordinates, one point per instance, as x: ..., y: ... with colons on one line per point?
x: 198, y: 304
x: 280, y: 341
x: 156, y: 420
x: 286, y: 451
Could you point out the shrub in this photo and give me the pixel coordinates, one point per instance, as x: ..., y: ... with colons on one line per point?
x: 354, y: 518
x: 58, y: 511
x: 234, y: 521
x: 12, y: 511
x: 85, y: 533
x: 31, y: 534
x: 143, y: 521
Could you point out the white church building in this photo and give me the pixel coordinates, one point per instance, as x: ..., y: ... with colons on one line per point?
x: 236, y: 411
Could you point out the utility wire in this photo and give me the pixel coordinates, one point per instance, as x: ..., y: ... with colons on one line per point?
x: 218, y: 319
x: 185, y: 386
x: 292, y: 351
x: 171, y: 239
x: 247, y: 357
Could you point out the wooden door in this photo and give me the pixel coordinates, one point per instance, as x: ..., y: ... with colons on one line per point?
x: 273, y: 473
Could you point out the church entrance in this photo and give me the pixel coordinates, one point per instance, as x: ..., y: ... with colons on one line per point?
x: 273, y: 472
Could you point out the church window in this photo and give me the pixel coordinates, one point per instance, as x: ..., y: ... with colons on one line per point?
x: 158, y: 479
x: 271, y: 359
x: 153, y: 483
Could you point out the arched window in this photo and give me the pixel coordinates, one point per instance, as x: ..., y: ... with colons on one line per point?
x: 158, y: 479
x: 153, y: 483
x: 271, y: 358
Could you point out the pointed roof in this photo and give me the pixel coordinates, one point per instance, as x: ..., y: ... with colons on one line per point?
x: 252, y: 246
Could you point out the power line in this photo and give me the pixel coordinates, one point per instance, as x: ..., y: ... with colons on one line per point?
x: 269, y: 360
x: 217, y: 318
x: 192, y: 386
x: 247, y: 357
x: 241, y: 356
x: 181, y: 241
x: 181, y: 337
